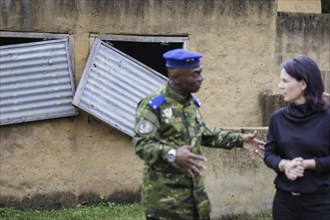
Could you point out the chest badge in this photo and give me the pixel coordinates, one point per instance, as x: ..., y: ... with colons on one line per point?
x: 168, y: 112
x: 199, y: 119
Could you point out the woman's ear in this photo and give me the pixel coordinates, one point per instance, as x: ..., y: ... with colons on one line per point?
x: 303, y: 85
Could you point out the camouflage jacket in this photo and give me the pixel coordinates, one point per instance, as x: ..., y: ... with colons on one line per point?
x: 166, y: 120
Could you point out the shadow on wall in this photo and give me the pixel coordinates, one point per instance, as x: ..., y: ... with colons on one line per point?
x: 270, y: 102
x: 325, y: 4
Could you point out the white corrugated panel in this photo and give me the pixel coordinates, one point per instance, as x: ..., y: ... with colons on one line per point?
x: 36, y: 81
x: 112, y: 85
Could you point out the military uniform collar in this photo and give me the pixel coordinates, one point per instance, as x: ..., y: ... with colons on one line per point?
x: 176, y: 96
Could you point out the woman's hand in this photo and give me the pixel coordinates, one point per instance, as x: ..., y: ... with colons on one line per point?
x: 292, y: 168
x: 309, y: 164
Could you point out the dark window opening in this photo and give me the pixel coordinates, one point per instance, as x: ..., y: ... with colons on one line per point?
x: 18, y: 40
x: 325, y: 6
x: 148, y: 53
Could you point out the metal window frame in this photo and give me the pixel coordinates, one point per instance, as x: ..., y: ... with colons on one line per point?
x: 101, y: 39
x: 140, y: 38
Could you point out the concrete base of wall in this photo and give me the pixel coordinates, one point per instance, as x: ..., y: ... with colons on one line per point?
x: 237, y: 186
x: 58, y: 200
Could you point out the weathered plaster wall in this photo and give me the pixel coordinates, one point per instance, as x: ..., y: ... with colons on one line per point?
x: 305, y: 6
x: 236, y: 36
x: 301, y: 33
x: 65, y: 162
x: 236, y: 184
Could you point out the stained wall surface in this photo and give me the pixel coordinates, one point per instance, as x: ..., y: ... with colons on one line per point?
x: 301, y: 29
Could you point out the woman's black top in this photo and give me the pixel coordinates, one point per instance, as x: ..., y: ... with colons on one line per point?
x: 297, y: 131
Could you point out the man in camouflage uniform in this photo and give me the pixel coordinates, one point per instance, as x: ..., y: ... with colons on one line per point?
x: 169, y: 133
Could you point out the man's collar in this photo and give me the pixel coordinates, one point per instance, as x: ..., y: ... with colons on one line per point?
x: 176, y: 96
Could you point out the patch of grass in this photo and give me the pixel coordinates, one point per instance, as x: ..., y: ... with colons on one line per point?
x: 245, y: 216
x: 264, y: 216
x: 111, y: 211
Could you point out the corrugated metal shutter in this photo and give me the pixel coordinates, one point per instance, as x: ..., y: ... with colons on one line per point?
x: 112, y: 84
x: 36, y: 81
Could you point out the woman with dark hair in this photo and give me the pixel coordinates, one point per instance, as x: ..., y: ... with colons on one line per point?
x: 298, y: 144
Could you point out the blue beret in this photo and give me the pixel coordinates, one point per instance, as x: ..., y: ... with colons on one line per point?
x: 182, y: 58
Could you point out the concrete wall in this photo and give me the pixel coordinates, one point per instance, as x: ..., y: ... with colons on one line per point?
x: 305, y: 6
x: 71, y: 161
x: 301, y: 33
x: 236, y: 184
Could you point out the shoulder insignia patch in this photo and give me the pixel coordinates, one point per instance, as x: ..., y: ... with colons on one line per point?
x: 196, y: 101
x: 146, y: 127
x: 157, y: 101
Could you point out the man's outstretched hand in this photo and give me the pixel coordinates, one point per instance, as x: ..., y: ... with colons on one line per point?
x: 253, y: 145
